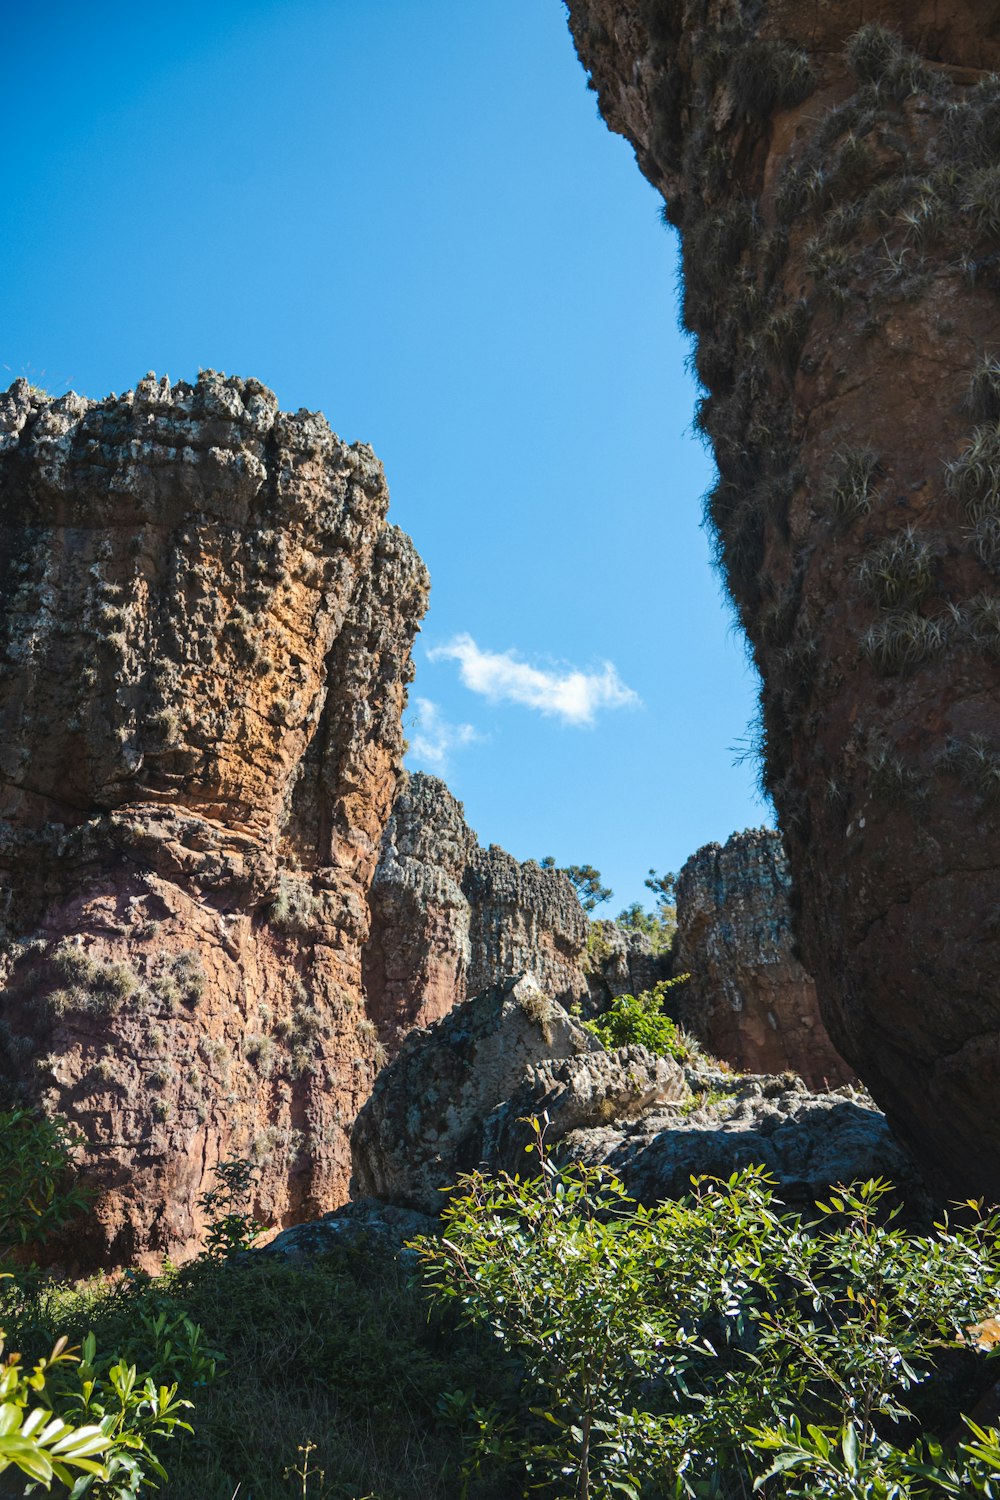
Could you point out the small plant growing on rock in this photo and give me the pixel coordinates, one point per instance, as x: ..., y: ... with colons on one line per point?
x: 640, y: 1020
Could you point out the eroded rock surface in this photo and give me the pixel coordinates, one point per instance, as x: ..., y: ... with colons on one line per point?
x: 205, y: 631
x: 621, y: 961
x: 459, y: 1094
x: 832, y: 172
x: 749, y: 1001
x: 449, y: 918
x: 807, y: 1141
x: 422, y: 1125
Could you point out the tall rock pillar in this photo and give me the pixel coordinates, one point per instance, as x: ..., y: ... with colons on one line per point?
x: 833, y: 172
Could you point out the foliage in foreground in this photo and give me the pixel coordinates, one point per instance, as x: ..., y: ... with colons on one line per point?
x: 721, y: 1346
x: 89, y: 1423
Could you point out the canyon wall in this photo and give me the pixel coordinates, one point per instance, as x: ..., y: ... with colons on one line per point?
x: 205, y: 632
x: 450, y: 919
x: 832, y: 171
x: 748, y: 1000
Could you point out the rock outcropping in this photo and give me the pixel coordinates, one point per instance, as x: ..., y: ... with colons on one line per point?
x: 205, y: 631
x: 748, y: 1001
x: 458, y: 1095
x: 621, y: 961
x: 832, y: 172
x: 450, y: 918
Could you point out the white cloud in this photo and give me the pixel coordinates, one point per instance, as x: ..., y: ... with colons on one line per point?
x: 570, y: 695
x: 432, y: 738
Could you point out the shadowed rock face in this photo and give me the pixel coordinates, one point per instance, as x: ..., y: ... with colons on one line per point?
x: 450, y: 918
x: 205, y: 631
x: 749, y: 1000
x: 836, y: 194
x: 459, y: 1096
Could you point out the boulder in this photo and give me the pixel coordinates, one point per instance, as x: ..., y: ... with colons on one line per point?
x: 423, y: 1124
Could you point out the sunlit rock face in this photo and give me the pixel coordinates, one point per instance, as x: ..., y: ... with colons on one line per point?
x: 205, y: 632
x: 450, y: 918
x: 749, y: 1001
x: 832, y: 172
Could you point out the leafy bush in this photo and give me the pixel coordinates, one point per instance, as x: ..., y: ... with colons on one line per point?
x: 38, y: 1196
x: 720, y: 1346
x: 75, y: 1411
x: 641, y: 1020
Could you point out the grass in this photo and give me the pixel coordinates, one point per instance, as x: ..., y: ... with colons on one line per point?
x: 898, y: 570
x: 343, y: 1353
x: 973, y: 479
x: 851, y: 486
x: 903, y: 640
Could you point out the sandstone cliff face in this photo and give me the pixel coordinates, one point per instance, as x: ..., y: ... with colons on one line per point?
x: 749, y: 1001
x: 417, y: 958
x: 205, y: 628
x: 449, y: 918
x: 832, y: 172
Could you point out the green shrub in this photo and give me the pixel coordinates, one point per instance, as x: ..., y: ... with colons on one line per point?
x: 720, y: 1346
x: 38, y: 1196
x: 640, y: 1020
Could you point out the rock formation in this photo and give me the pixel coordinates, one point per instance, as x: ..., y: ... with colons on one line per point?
x: 749, y: 1001
x: 833, y: 174
x: 450, y: 918
x: 524, y: 917
x: 417, y: 957
x: 205, y: 631
x: 457, y: 1096
x: 621, y: 961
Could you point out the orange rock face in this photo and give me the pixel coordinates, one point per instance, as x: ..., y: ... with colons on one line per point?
x: 205, y: 632
x: 832, y: 170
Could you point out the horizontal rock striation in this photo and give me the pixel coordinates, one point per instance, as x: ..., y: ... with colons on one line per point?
x: 749, y: 1001
x: 205, y: 632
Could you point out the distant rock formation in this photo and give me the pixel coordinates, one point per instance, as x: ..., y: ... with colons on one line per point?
x: 450, y: 918
x: 749, y: 1001
x: 524, y: 917
x: 457, y: 1096
x: 205, y: 632
x: 621, y: 961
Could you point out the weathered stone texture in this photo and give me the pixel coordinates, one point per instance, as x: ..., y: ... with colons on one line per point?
x: 832, y: 172
x: 524, y: 918
x: 748, y: 1001
x: 621, y: 961
x: 449, y: 918
x: 205, y: 631
x: 422, y: 1125
x: 459, y: 1095
x: 417, y: 957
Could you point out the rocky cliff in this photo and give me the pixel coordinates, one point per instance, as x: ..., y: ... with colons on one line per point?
x: 205, y: 631
x: 832, y: 170
x: 450, y: 918
x: 748, y: 1000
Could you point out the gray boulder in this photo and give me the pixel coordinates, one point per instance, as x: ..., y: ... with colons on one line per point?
x: 806, y: 1141
x: 422, y: 1125
x: 365, y: 1225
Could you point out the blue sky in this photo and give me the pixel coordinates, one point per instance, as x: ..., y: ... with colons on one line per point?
x: 406, y: 214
